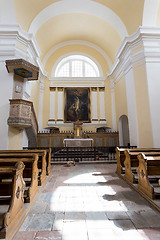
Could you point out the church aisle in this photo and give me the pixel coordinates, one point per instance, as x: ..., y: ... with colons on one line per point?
x: 89, y: 202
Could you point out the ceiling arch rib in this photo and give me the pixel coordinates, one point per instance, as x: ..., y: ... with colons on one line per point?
x: 76, y: 42
x: 76, y: 6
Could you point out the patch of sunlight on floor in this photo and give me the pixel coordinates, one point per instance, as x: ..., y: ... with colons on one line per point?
x: 86, y: 178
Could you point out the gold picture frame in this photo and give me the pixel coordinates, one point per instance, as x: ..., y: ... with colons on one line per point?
x: 77, y: 105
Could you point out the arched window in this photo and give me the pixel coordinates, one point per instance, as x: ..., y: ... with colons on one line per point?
x: 77, y: 66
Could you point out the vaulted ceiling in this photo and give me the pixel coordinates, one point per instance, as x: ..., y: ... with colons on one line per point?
x: 98, y: 24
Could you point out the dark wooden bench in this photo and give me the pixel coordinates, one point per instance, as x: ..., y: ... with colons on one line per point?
x: 12, y: 188
x: 149, y: 167
x: 41, y: 161
x: 132, y: 162
x: 30, y: 173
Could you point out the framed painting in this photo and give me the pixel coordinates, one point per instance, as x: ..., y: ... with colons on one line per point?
x: 77, y: 105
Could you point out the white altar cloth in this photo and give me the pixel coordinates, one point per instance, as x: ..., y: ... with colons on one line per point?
x: 78, y: 142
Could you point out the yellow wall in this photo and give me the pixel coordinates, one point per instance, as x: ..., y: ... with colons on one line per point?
x: 14, y: 139
x: 158, y: 16
x: 46, y: 103
x: 76, y: 48
x: 26, y: 11
x: 108, y: 103
x: 129, y: 11
x: 142, y: 105
x: 35, y: 96
x: 120, y: 99
x: 49, y: 65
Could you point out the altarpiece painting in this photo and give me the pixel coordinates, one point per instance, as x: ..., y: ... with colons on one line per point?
x: 77, y: 104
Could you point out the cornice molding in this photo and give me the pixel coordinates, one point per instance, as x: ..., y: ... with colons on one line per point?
x: 14, y: 38
x: 76, y: 82
x: 16, y: 43
x: 137, y: 49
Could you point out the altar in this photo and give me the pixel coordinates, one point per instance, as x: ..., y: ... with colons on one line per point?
x: 78, y: 142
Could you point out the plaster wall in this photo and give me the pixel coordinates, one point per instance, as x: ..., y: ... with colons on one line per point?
x: 153, y: 73
x: 15, y: 139
x: 46, y: 103
x: 7, y: 12
x: 142, y: 106
x: 132, y: 108
x: 120, y: 99
x: 5, y: 94
x: 108, y: 109
x: 35, y: 94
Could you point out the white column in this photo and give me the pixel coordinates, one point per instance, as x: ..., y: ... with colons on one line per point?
x: 41, y: 94
x: 153, y: 73
x: 113, y: 106
x: 132, y: 110
x: 52, y: 103
x: 60, y: 109
x: 102, y: 104
x: 94, y: 104
x: 7, y: 12
x: 6, y: 90
x: 150, y: 12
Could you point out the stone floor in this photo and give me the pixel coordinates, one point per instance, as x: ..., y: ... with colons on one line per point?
x: 89, y: 202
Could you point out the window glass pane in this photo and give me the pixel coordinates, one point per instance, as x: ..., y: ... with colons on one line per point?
x: 77, y: 66
x: 89, y: 71
x: 63, y: 71
x: 77, y: 70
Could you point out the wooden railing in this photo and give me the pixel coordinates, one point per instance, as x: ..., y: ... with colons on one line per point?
x: 83, y: 154
x: 107, y: 139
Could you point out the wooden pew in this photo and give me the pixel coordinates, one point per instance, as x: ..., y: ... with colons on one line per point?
x: 148, y: 166
x: 132, y: 162
x: 41, y: 161
x: 121, y: 156
x: 10, y: 214
x: 48, y: 156
x: 30, y: 172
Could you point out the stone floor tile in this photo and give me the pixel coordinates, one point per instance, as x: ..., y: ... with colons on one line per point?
x: 58, y: 221
x: 41, y: 222
x: 26, y: 222
x: 48, y: 235
x: 56, y: 207
x: 102, y: 234
x: 130, y: 234
x: 113, y: 206
x: 25, y: 235
x: 74, y: 216
x: 131, y: 205
x: 49, y: 187
x: 152, y: 217
x: 74, y: 230
x: 117, y: 215
x: 89, y: 202
x: 39, y: 208
x: 97, y: 220
x: 123, y: 225
x: 138, y: 220
x: 150, y: 234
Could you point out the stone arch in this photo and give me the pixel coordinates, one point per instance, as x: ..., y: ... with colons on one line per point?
x: 123, y: 126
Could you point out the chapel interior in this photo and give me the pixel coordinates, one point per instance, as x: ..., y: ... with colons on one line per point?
x: 80, y: 119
